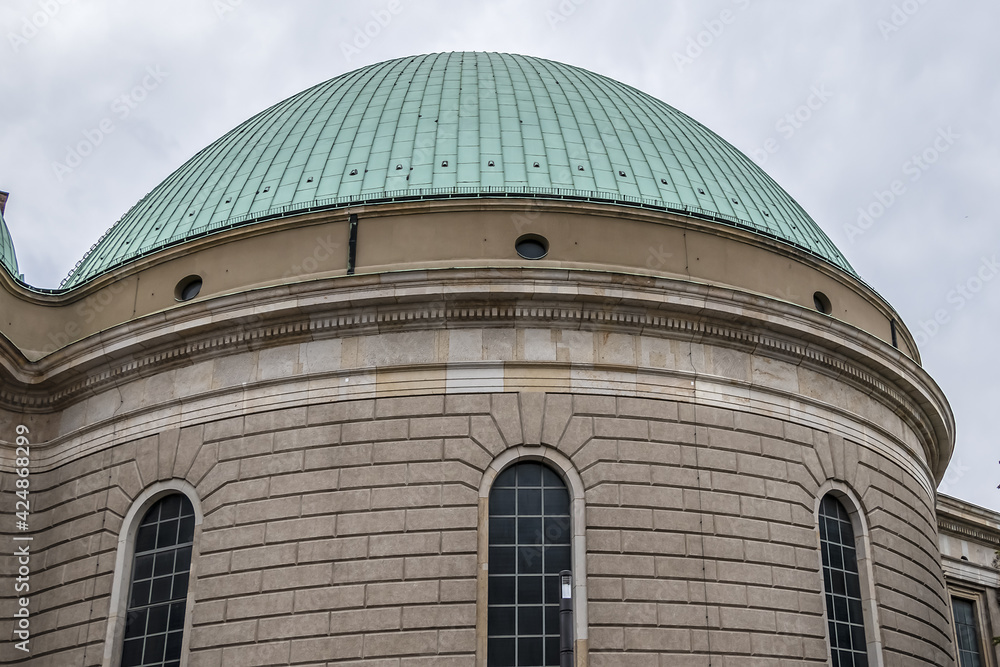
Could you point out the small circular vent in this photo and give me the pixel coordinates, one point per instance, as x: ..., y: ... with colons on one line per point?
x: 188, y: 288
x: 822, y: 303
x: 532, y: 246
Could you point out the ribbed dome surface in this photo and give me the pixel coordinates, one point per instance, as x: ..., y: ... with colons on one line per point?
x: 7, y: 257
x: 458, y: 125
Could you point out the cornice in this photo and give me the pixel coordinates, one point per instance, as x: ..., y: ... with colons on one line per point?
x: 962, y: 529
x: 966, y: 520
x: 511, y: 298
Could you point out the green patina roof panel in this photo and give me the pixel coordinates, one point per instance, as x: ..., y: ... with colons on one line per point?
x: 457, y: 125
x: 7, y: 257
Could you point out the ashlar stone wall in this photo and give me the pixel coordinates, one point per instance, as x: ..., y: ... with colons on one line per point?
x: 346, y: 533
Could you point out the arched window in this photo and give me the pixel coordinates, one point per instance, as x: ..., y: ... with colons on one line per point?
x: 154, y: 625
x: 530, y: 542
x: 842, y: 583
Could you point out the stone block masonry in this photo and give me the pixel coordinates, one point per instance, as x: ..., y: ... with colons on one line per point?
x: 346, y: 533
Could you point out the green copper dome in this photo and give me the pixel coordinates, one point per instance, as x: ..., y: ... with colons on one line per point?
x: 7, y: 257
x: 458, y: 125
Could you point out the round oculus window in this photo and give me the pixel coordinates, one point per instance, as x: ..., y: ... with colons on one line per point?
x: 532, y: 246
x: 188, y: 288
x: 822, y: 303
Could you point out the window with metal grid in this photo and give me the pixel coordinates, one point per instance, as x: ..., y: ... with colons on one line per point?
x: 154, y: 624
x: 530, y: 536
x: 843, y: 585
x: 967, y: 632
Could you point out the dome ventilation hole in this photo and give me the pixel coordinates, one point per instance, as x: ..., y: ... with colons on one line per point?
x: 188, y: 288
x: 822, y: 303
x: 309, y: 180
x: 664, y: 181
x: 701, y: 191
x: 579, y: 167
x: 444, y: 163
x: 491, y: 163
x: 621, y: 173
x: 399, y: 167
x: 535, y: 165
x: 531, y: 246
x: 354, y: 172
x: 735, y: 201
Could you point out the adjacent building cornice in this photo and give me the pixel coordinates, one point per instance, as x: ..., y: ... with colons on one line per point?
x: 968, y: 521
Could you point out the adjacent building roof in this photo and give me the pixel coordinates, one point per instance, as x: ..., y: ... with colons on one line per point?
x: 459, y: 125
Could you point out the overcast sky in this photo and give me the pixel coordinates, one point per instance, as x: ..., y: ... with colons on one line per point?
x: 887, y: 106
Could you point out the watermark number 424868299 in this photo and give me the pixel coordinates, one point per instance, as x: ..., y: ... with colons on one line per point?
x: 22, y: 550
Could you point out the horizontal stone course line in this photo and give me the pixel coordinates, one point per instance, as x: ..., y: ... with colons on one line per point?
x: 883, y: 573
x: 313, y: 420
x: 899, y: 602
x: 41, y: 648
x: 693, y: 533
x: 65, y: 527
x: 597, y: 572
x: 888, y: 502
x: 387, y: 560
x: 896, y: 637
x: 929, y: 548
x: 518, y: 313
x: 51, y: 611
x: 651, y: 506
x: 899, y: 534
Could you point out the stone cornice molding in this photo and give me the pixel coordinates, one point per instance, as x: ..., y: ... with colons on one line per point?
x: 511, y: 297
x: 968, y: 531
x: 968, y: 521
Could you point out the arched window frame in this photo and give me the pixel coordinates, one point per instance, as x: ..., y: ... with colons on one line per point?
x: 574, y: 483
x: 125, y: 555
x: 866, y: 574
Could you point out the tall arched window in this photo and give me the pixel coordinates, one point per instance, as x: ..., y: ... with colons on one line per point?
x: 154, y: 625
x: 842, y: 583
x: 530, y: 541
